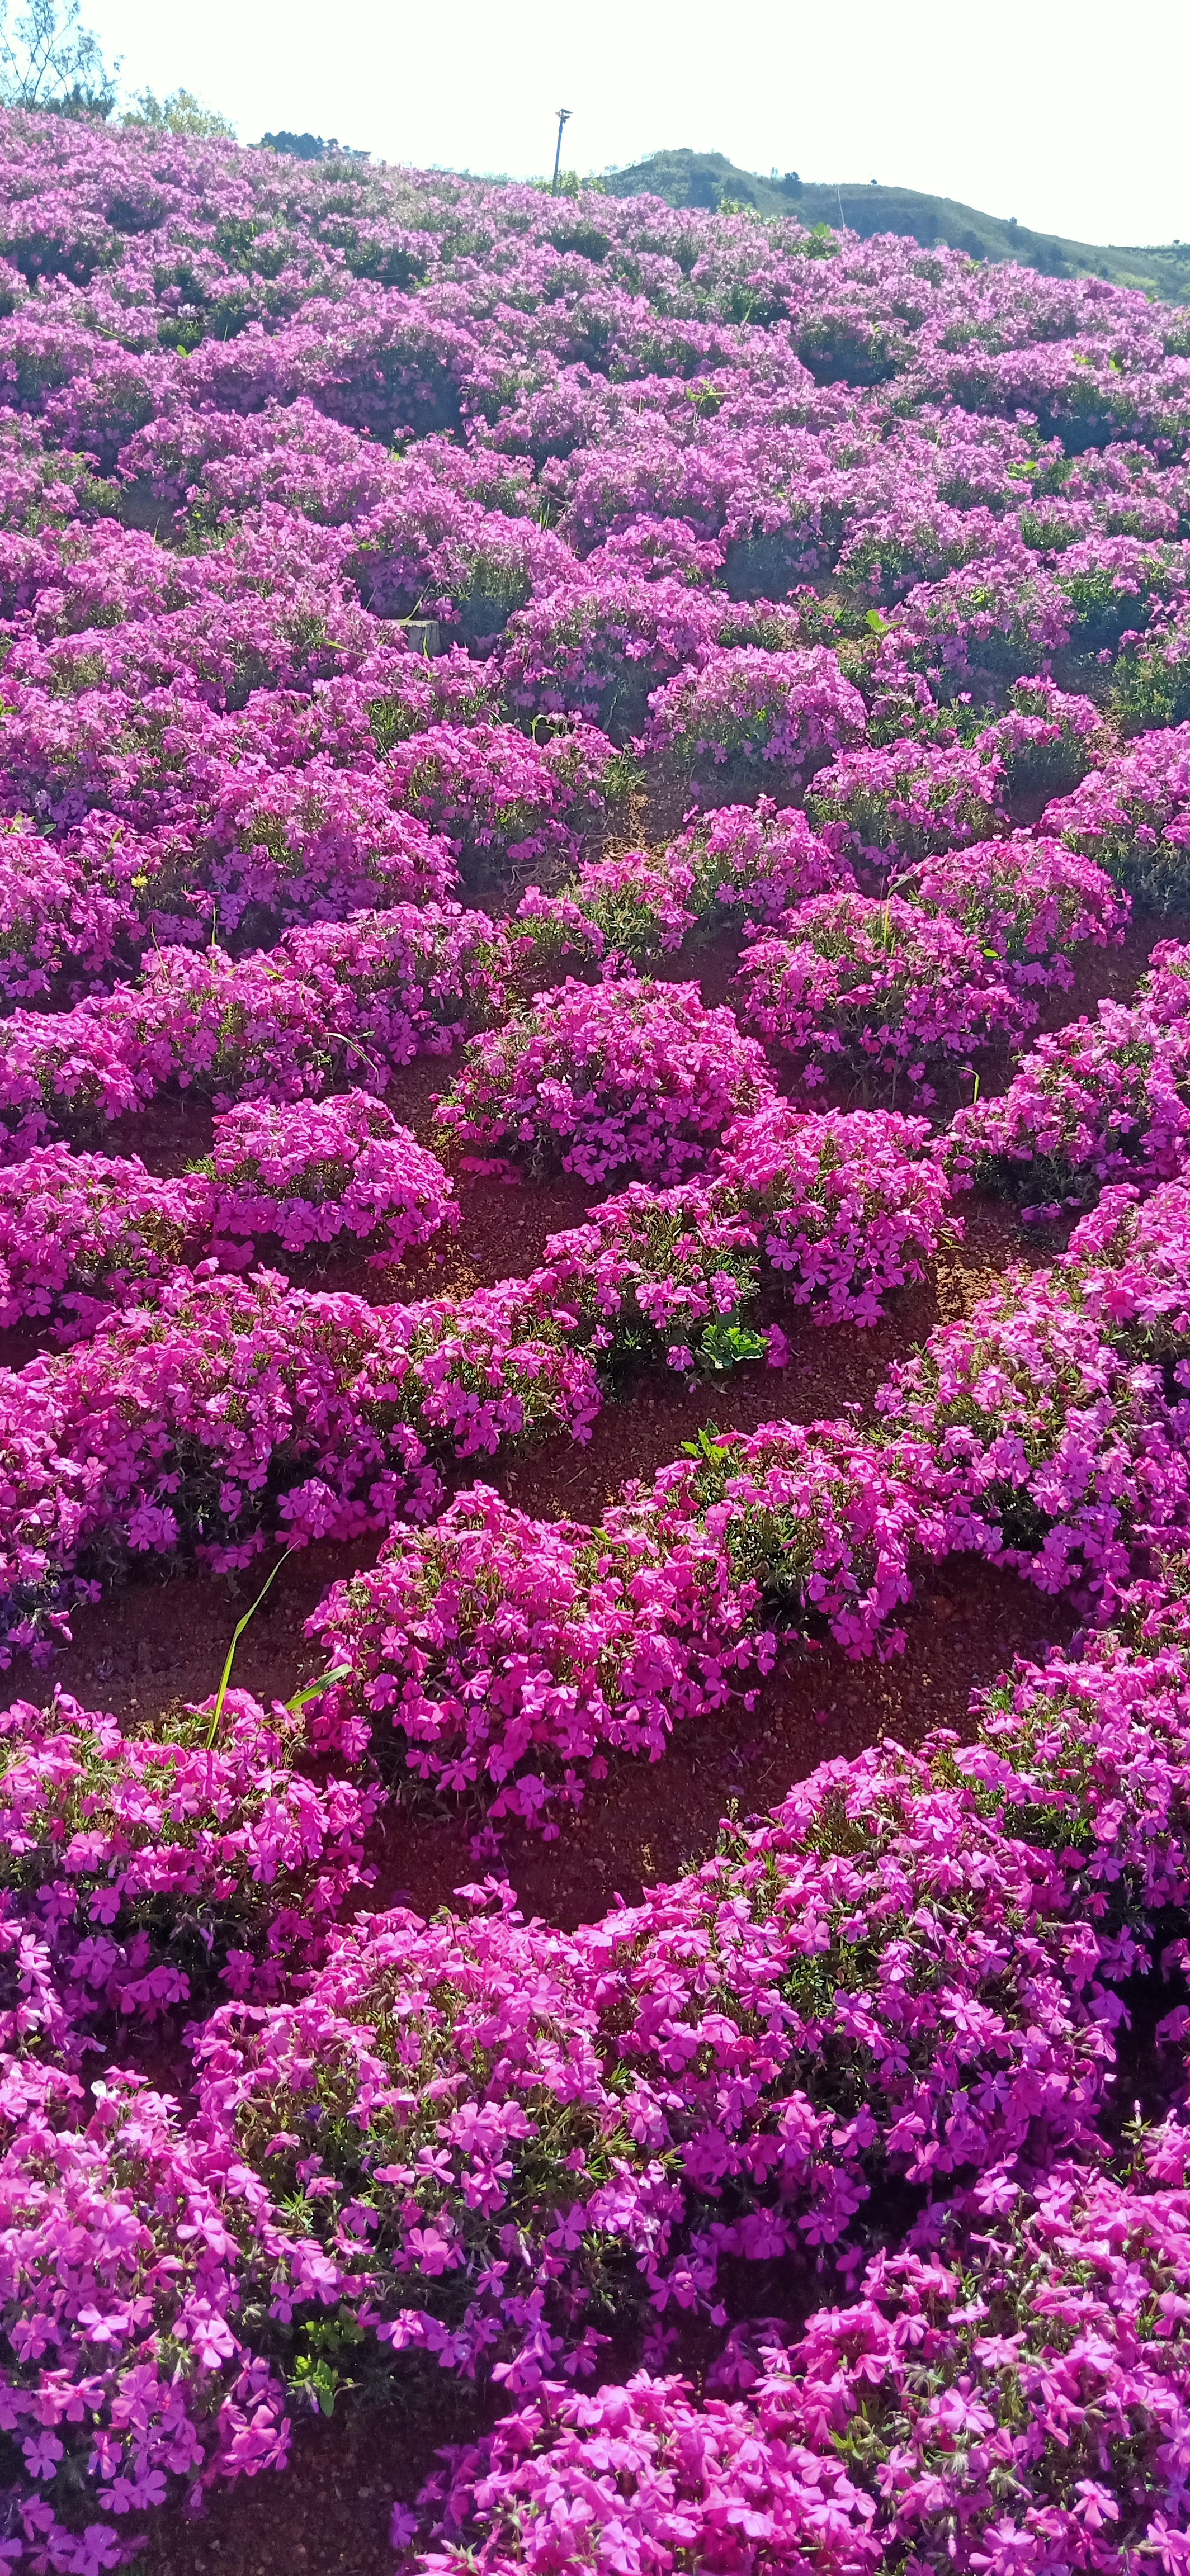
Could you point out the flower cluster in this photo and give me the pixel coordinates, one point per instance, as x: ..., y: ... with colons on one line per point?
x: 1031, y: 2342
x: 740, y: 861
x: 82, y: 1232
x: 500, y: 800
x: 1133, y: 817
x: 748, y: 707
x: 978, y: 629
x: 1106, y: 1099
x: 635, y: 1074
x: 1151, y: 680
x: 315, y: 1169
x: 598, y: 648
x: 832, y: 1212
x: 1053, y: 1449
x: 845, y: 1205
x: 226, y: 1410
x: 1028, y: 901
x: 880, y: 989
x: 757, y: 858
x: 350, y: 999
x: 63, y: 923
x: 617, y: 913
x: 907, y: 800
x: 121, y: 2227
x: 112, y: 1845
x: 1045, y: 741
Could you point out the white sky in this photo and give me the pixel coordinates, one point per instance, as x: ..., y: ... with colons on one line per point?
x: 1051, y: 114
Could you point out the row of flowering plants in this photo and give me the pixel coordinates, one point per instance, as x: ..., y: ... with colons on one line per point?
x: 177, y: 1427
x: 174, y: 1422
x: 226, y: 1410
x: 823, y: 2044
x: 893, y: 2422
x: 1038, y: 1432
x: 83, y: 1232
x: 337, y: 1000
x: 1101, y: 1100
x: 513, y: 1654
x: 882, y: 989
x: 1029, y: 901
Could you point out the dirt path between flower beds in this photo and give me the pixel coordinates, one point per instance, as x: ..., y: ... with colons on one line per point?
x: 327, y: 2514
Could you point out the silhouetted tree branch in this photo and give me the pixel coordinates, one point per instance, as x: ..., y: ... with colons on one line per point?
x: 48, y: 59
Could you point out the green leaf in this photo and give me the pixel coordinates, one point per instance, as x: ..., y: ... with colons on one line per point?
x: 314, y: 1690
x: 237, y: 1633
x: 725, y: 1345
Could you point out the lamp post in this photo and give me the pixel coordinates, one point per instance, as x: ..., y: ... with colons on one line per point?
x: 564, y: 114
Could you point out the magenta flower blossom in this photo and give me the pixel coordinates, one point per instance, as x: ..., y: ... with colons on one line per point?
x: 313, y: 1170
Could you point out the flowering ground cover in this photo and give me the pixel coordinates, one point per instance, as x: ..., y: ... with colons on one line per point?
x: 594, y: 1142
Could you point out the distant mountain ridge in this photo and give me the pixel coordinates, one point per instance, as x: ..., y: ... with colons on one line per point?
x: 686, y: 178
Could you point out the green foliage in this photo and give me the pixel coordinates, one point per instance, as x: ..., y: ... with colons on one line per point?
x: 310, y: 147
x: 570, y: 185
x: 318, y: 2372
x: 180, y: 113
x: 714, y: 1462
x: 237, y: 1633
x: 724, y: 1345
x: 1151, y: 686
x: 236, y: 243
x: 1103, y: 612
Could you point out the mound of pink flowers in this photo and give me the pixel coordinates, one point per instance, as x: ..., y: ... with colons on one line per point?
x: 746, y: 705
x: 833, y: 1211
x: 225, y: 1409
x: 356, y: 998
x: 641, y: 905
x: 1102, y: 1100
x: 316, y: 1169
x: 1028, y: 902
x: 635, y: 1074
x: 880, y: 989
x: 82, y: 1232
x: 906, y: 800
x: 846, y: 1207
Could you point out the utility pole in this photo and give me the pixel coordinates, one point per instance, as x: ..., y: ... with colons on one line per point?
x: 564, y: 114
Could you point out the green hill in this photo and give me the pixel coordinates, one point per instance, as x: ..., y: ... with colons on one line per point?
x: 709, y: 179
